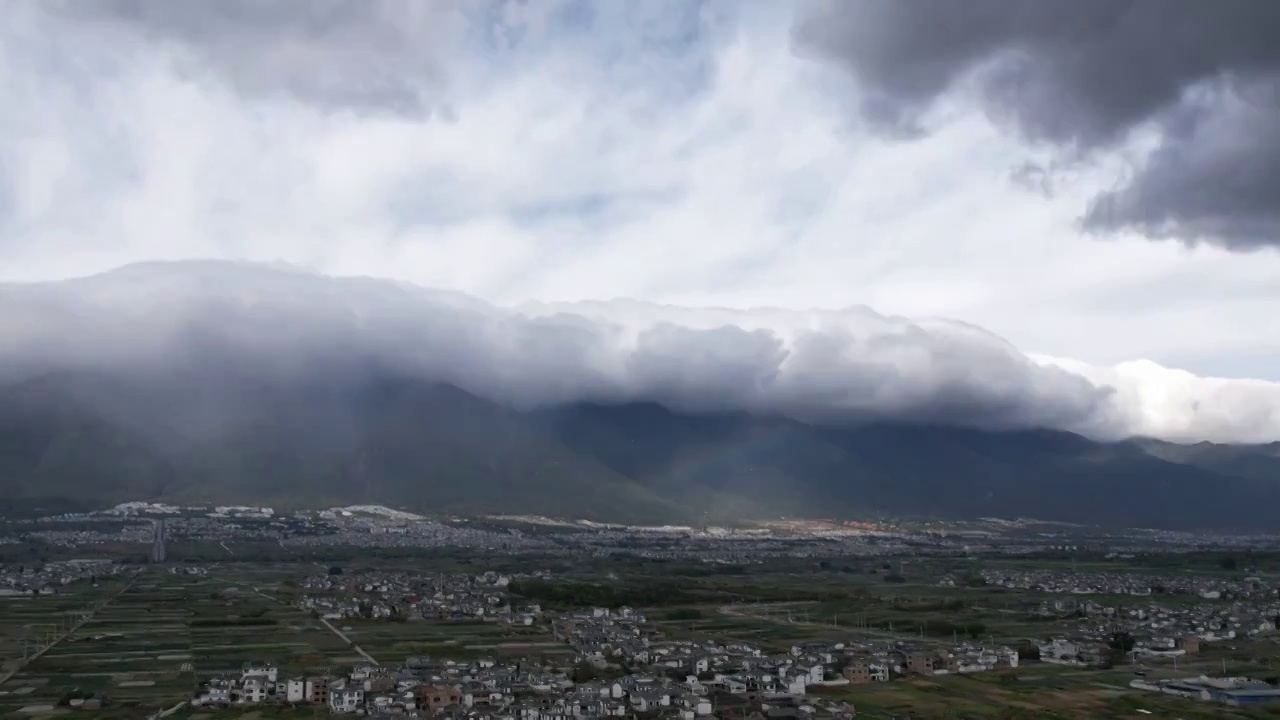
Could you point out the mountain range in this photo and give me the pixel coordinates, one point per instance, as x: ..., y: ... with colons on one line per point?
x: 433, y: 447
x: 220, y: 419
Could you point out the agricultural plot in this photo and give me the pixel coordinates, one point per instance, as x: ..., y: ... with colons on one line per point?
x: 1047, y: 692
x: 25, y: 620
x: 148, y: 648
x: 132, y: 651
x: 392, y: 642
x: 236, y: 621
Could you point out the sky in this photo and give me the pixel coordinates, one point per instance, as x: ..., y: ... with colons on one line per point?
x: 1096, y: 182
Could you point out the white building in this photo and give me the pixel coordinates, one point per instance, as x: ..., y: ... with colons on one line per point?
x: 267, y: 673
x: 346, y: 701
x: 253, y: 691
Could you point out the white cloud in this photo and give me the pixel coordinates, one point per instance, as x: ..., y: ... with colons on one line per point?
x: 550, y: 160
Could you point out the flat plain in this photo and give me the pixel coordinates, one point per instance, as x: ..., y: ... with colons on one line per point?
x: 150, y: 639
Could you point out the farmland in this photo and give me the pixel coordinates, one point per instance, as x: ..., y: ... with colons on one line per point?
x: 148, y: 637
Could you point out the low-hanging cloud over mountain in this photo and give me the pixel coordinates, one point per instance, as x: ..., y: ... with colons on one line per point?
x: 695, y: 153
x: 820, y: 365
x: 1192, y: 88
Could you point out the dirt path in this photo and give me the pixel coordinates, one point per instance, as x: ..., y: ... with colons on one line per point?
x: 359, y: 651
x: 349, y: 641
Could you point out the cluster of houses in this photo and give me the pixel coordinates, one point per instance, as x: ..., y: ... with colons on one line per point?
x: 603, y: 636
x: 1120, y: 583
x: 46, y: 578
x: 413, y: 597
x: 628, y: 670
x: 366, y: 688
x: 621, y: 666
x: 1157, y: 629
x: 421, y: 688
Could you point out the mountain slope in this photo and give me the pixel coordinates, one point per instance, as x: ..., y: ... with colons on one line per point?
x: 793, y: 468
x: 380, y: 439
x: 52, y: 445
x: 362, y: 435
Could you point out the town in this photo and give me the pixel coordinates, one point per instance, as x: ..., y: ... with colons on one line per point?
x: 161, y: 611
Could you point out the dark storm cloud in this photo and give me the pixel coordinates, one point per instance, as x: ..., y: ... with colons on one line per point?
x: 355, y: 54
x: 1084, y: 75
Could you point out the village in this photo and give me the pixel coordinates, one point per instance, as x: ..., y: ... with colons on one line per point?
x: 334, y: 596
x: 369, y: 613
x: 48, y: 577
x: 620, y: 667
x: 1141, y: 615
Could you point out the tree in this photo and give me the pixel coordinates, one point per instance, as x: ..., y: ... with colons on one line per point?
x: 1122, y: 641
x: 583, y: 673
x: 335, y: 570
x: 1228, y: 563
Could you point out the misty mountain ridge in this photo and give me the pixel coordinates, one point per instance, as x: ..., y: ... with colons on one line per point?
x: 231, y: 384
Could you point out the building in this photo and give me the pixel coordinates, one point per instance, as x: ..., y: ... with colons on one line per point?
x: 927, y: 663
x: 346, y: 700
x: 318, y: 690
x: 437, y: 697
x: 861, y: 672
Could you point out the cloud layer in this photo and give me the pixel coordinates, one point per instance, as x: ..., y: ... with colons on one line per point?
x: 683, y: 154
x: 821, y: 366
x: 1201, y: 80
